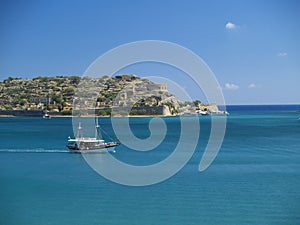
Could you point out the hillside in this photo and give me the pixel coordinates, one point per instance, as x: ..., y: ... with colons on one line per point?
x: 56, y: 94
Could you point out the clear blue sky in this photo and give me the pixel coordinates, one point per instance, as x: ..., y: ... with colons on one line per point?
x: 253, y: 47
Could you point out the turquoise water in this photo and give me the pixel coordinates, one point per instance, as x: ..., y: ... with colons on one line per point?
x: 255, y: 178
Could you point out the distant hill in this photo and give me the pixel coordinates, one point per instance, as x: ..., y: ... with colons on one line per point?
x: 56, y: 94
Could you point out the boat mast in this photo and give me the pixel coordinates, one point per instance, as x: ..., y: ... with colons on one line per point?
x: 78, y: 130
x: 97, y: 129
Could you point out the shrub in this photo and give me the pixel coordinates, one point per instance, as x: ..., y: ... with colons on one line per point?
x: 66, y: 112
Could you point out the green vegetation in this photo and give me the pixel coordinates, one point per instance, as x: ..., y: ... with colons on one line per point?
x: 104, y: 112
x: 67, y: 112
x: 39, y: 93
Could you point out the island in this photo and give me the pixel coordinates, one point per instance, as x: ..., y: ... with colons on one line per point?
x: 121, y: 95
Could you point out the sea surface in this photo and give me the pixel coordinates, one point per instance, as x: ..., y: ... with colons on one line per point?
x: 255, y: 178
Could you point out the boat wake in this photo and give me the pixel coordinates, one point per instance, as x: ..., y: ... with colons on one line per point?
x: 56, y: 151
x: 33, y: 151
x: 96, y: 151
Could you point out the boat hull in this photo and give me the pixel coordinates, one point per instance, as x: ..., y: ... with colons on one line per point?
x: 95, y: 151
x: 92, y: 147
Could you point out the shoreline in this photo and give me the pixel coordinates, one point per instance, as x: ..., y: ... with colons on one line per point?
x: 87, y: 116
x: 40, y: 114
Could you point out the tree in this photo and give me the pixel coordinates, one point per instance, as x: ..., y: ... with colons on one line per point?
x: 16, y: 100
x: 153, y: 112
x: 133, y: 112
x: 142, y: 111
x: 74, y: 80
x: 102, y: 112
x: 67, y: 112
x: 57, y: 98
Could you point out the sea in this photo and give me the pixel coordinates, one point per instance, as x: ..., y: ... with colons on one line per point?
x: 254, y: 179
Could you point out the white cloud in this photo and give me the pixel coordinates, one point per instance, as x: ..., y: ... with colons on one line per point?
x: 252, y: 85
x: 282, y: 54
x: 231, y: 86
x: 230, y: 26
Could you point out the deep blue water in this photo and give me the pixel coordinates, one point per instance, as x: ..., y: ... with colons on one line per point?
x: 255, y: 178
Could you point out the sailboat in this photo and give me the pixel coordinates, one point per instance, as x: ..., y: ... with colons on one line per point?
x: 89, y: 144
